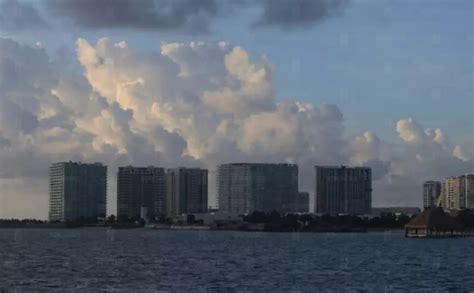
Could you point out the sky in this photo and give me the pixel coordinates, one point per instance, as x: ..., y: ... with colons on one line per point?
x: 385, y: 84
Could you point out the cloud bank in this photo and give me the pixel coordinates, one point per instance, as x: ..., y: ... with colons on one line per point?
x: 196, y: 104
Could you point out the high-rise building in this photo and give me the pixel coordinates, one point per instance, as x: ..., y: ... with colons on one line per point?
x: 467, y: 183
x: 343, y: 190
x: 77, y: 191
x: 452, y: 193
x: 186, y: 191
x: 300, y: 203
x: 248, y: 187
x: 457, y: 193
x: 431, y: 192
x: 141, y: 192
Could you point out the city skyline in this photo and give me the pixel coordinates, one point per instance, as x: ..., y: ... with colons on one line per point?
x: 349, y: 84
x: 153, y: 193
x: 242, y: 188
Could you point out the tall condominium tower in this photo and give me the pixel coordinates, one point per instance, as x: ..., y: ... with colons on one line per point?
x: 141, y: 192
x: 343, y: 190
x: 246, y: 187
x: 453, y: 199
x: 77, y: 191
x: 186, y: 191
x: 300, y: 204
x: 431, y: 193
x: 467, y: 183
x: 457, y: 193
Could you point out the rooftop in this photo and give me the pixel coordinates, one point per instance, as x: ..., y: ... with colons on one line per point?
x: 434, y: 218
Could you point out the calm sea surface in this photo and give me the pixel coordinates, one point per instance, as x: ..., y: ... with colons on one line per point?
x: 215, y: 261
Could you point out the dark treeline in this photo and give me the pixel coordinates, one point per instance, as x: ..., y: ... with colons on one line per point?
x: 307, y: 223
x: 272, y: 221
x: 466, y: 217
x: 24, y: 221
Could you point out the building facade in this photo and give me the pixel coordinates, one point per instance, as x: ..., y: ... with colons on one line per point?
x: 186, y: 191
x: 300, y: 204
x: 431, y: 192
x: 247, y: 187
x: 141, y: 192
x: 457, y: 193
x: 467, y: 183
x: 343, y: 190
x: 77, y: 191
x: 453, y: 199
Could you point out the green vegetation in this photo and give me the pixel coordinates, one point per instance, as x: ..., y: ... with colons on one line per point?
x: 466, y: 217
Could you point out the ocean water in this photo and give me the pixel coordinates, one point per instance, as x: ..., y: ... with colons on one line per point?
x: 91, y: 260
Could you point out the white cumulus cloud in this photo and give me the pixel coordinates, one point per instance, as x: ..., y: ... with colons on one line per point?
x: 197, y: 104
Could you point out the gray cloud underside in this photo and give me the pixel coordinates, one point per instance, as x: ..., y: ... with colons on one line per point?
x: 292, y: 14
x: 189, y: 16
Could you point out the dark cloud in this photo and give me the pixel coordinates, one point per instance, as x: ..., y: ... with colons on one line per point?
x: 187, y: 15
x: 18, y: 16
x: 292, y: 14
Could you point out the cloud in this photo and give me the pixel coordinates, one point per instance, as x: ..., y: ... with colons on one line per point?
x: 423, y: 155
x: 293, y: 14
x: 410, y: 131
x: 18, y: 16
x: 183, y: 15
x: 461, y: 154
x: 195, y: 104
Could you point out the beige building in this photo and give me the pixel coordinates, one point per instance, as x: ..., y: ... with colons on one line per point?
x: 457, y: 193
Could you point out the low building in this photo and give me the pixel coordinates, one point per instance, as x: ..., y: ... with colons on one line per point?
x: 409, y: 211
x: 213, y: 219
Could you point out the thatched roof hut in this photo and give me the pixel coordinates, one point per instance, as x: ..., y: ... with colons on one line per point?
x: 433, y: 222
